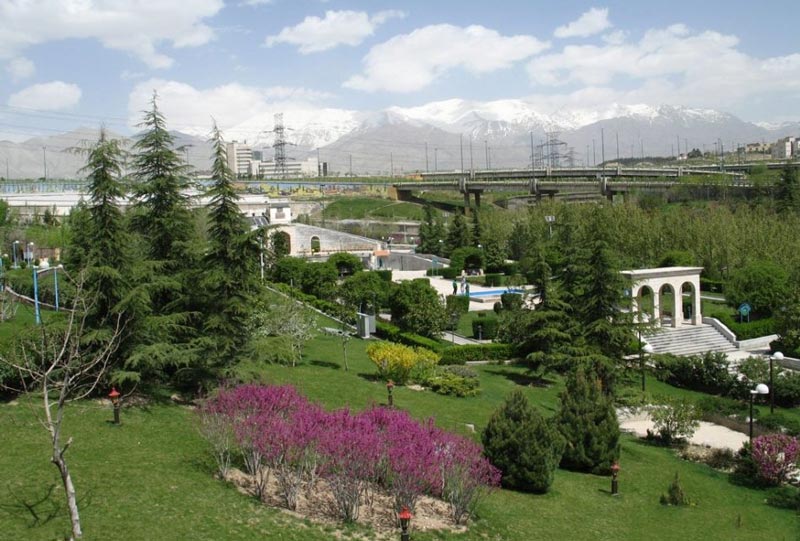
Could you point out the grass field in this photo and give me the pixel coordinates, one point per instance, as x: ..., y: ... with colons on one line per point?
x: 150, y: 478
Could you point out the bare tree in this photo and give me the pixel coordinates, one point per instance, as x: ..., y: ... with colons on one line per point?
x: 63, y: 364
x: 290, y: 320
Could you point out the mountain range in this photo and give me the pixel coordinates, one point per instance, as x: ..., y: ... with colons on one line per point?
x: 440, y: 135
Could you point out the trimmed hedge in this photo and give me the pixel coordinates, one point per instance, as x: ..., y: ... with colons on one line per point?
x: 457, y: 303
x: 712, y: 286
x: 511, y: 301
x: 390, y: 332
x: 745, y: 331
x: 447, y: 273
x: 488, y: 327
x: 493, y: 280
x: 477, y: 352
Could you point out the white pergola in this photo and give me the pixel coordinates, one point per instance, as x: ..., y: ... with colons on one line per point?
x: 656, y: 280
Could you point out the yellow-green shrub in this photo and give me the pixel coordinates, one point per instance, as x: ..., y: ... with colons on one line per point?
x: 401, y: 363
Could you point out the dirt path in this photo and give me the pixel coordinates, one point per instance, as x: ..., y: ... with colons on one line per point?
x: 707, y: 435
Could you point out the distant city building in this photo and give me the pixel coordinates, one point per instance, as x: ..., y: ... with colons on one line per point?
x: 758, y: 148
x: 239, y: 157
x: 293, y: 169
x: 785, y: 148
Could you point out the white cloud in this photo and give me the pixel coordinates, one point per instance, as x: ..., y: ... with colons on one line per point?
x: 410, y: 62
x: 670, y: 65
x: 190, y: 109
x: 315, y: 34
x: 134, y: 27
x: 20, y: 68
x: 52, y: 96
x: 590, y: 23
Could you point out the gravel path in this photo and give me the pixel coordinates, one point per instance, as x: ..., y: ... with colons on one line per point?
x: 707, y: 435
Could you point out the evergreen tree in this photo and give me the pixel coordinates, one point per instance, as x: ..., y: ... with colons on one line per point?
x: 108, y: 258
x: 787, y: 192
x: 163, y: 215
x: 588, y: 422
x: 458, y: 233
x: 229, y: 272
x: 477, y: 232
x: 601, y: 301
x: 79, y: 222
x: 430, y: 232
x: 168, y: 318
x: 523, y: 445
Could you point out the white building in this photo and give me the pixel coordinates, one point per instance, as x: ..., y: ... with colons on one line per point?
x: 239, y: 157
x: 785, y: 148
x: 294, y: 169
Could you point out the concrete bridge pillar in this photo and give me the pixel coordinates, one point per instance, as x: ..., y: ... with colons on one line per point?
x: 478, y: 199
x: 466, y: 203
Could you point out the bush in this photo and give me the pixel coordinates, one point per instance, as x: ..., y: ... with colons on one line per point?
x: 449, y: 380
x: 511, y: 269
x: 457, y: 303
x: 775, y: 456
x: 386, y: 275
x: 746, y: 330
x: 588, y: 422
x: 493, y: 280
x: 400, y: 363
x: 675, y: 494
x: 511, y: 301
x: 390, y: 332
x: 484, y: 328
x: 466, y: 258
x: 784, y: 498
x: 346, y: 263
x: 707, y: 373
x: 415, y: 307
x: 762, y: 284
x: 457, y: 355
x: 779, y: 422
x: 721, y: 459
x: 675, y: 420
x: 525, y: 446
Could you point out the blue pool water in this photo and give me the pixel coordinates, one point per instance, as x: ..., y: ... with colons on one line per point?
x: 494, y: 292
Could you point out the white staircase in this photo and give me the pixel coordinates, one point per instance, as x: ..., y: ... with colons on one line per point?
x: 689, y: 340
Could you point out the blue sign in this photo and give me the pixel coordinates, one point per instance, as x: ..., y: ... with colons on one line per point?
x: 745, y: 309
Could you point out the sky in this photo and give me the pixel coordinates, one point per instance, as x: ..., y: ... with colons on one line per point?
x: 70, y: 63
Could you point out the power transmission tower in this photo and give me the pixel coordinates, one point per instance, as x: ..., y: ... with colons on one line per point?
x: 280, y: 146
x: 551, y: 149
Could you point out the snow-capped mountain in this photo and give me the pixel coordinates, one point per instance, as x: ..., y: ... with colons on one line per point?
x: 448, y: 134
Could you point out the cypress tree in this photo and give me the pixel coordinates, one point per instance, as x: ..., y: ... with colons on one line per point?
x: 787, y: 190
x: 588, y: 422
x: 430, y: 232
x: 477, y: 232
x: 523, y: 445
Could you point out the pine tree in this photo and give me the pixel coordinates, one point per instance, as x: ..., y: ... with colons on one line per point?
x: 458, y: 233
x: 108, y: 258
x: 787, y: 192
x: 477, y: 232
x: 430, y: 232
x: 229, y: 274
x: 523, y: 445
x: 162, y: 205
x: 588, y: 422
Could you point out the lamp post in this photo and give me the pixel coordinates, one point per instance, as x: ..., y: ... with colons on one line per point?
x: 647, y: 349
x: 389, y: 387
x: 550, y: 221
x: 760, y: 389
x: 29, y: 253
x: 14, y: 254
x: 614, y: 480
x: 115, y: 401
x: 36, y: 270
x: 777, y: 356
x: 405, y: 521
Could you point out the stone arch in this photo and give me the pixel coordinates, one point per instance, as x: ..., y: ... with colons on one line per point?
x: 666, y: 299
x: 690, y: 299
x: 646, y: 304
x: 316, y: 246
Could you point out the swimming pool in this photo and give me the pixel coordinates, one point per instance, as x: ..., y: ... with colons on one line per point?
x: 494, y: 292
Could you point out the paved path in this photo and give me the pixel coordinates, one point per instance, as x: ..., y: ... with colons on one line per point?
x: 707, y: 434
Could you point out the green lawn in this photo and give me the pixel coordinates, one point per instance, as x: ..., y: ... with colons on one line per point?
x: 151, y: 479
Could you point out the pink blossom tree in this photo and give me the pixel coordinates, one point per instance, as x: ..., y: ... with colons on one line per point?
x: 775, y: 457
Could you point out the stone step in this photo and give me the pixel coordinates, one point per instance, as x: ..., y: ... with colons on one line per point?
x: 689, y: 340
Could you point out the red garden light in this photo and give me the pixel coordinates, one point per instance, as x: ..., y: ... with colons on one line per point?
x: 614, y: 481
x: 114, y: 396
x: 405, y: 521
x: 389, y: 387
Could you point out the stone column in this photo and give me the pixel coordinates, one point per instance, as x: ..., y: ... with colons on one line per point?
x: 697, y: 316
x: 677, y: 301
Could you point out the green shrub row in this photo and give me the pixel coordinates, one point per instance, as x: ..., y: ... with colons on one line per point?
x: 390, y: 332
x: 455, y: 381
x: 712, y: 286
x: 476, y: 352
x: 457, y: 303
x: 747, y: 330
x: 447, y: 272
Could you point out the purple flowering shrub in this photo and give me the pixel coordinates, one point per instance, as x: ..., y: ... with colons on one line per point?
x: 276, y: 430
x: 775, y: 457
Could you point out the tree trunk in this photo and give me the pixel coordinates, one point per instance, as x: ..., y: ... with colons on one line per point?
x: 72, y: 501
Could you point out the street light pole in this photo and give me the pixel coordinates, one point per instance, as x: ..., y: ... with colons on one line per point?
x: 647, y: 349
x: 14, y: 252
x: 777, y: 356
x: 760, y: 389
